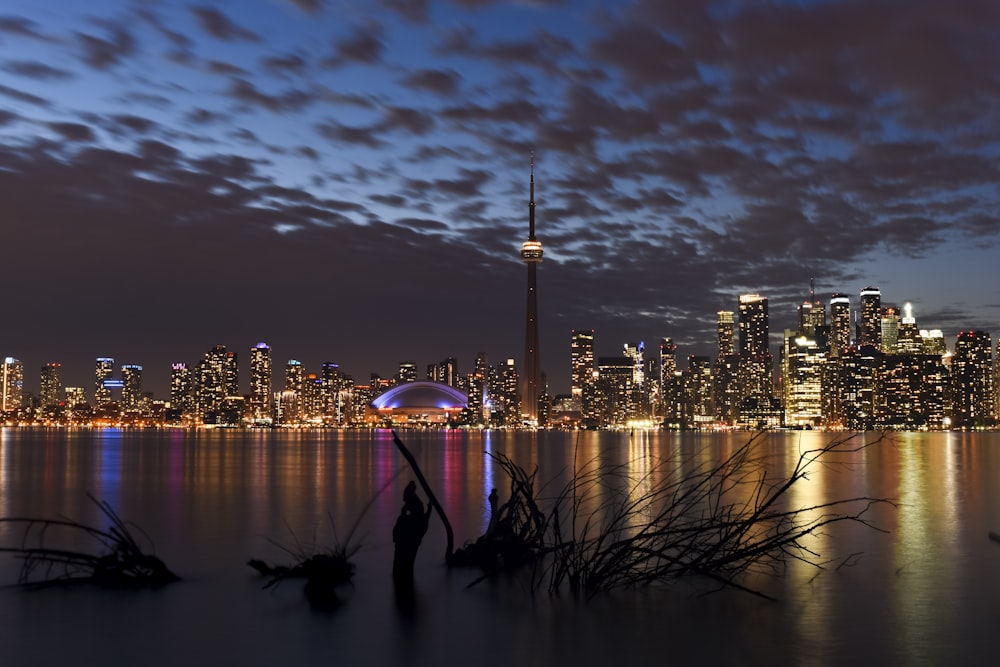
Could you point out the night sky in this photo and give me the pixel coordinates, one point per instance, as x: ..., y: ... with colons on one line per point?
x: 348, y: 180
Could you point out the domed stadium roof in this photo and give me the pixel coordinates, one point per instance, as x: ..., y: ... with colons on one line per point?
x: 422, y: 396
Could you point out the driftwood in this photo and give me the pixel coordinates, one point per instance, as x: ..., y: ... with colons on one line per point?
x: 407, y: 534
x: 432, y: 500
x: 324, y: 570
x: 120, y: 563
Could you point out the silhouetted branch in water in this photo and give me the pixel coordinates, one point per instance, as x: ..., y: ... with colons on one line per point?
x: 324, y: 570
x: 606, y: 529
x: 122, y: 562
x: 407, y: 534
x: 431, y: 498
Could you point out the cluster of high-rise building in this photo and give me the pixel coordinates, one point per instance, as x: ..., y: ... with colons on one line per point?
x: 860, y: 368
x: 208, y: 393
x: 875, y: 371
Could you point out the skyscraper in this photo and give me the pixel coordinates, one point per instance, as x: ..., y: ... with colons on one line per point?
x: 889, y: 329
x: 260, y: 381
x: 840, y: 323
x: 50, y: 386
x: 104, y: 368
x: 11, y: 384
x: 181, y: 389
x: 870, y: 326
x: 531, y: 254
x: 726, y: 328
x: 210, y: 379
x: 973, y: 375
x: 131, y: 386
x: 758, y: 407
x: 581, y: 351
x: 908, y: 336
x: 812, y: 314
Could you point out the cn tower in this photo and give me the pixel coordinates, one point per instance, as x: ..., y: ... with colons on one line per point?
x: 531, y: 254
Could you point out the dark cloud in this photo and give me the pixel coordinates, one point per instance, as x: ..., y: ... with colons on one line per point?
x: 73, y: 131
x: 441, y: 82
x: 343, y: 134
x: 542, y: 50
x: 22, y: 96
x: 415, y: 11
x: 310, y: 6
x: 33, y: 69
x: 102, y: 53
x: 201, y: 116
x: 225, y: 69
x: 180, y: 41
x: 285, y: 102
x: 287, y: 64
x: 220, y: 26
x: 412, y: 121
x: 364, y: 46
x: 21, y: 27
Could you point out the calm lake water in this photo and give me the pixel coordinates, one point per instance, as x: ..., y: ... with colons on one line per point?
x: 925, y: 592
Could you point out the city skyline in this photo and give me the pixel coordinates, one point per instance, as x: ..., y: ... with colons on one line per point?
x: 346, y: 180
x: 752, y: 317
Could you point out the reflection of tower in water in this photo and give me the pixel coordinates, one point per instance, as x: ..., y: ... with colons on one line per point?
x: 531, y: 254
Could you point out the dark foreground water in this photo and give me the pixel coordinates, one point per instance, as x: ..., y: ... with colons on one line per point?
x: 927, y: 592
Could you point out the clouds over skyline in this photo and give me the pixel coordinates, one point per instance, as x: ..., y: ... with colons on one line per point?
x: 350, y: 184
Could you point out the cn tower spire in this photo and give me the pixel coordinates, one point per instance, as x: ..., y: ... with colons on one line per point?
x: 531, y: 254
x: 531, y: 201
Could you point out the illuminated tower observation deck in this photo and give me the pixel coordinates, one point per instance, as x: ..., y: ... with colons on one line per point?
x: 531, y: 254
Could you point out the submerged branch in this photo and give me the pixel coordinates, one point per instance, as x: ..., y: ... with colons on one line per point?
x: 121, y: 563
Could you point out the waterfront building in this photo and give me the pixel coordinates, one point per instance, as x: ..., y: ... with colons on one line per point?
x: 640, y: 407
x: 855, y: 386
x: 698, y: 392
x: 131, y: 387
x: 671, y: 386
x: 311, y: 399
x: 581, y: 363
x: 11, y: 384
x: 477, y: 404
x: 869, y: 328
x: 211, y: 377
x: 973, y: 376
x: 260, y: 382
x: 616, y: 390
x: 531, y: 255
x: 840, y: 323
x: 503, y: 389
x: 104, y: 370
x: 182, y: 397
x: 802, y: 362
x: 50, y: 386
x: 231, y: 375
x: 909, y: 392
x: 756, y: 369
x: 725, y: 374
